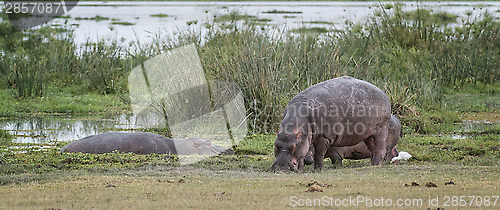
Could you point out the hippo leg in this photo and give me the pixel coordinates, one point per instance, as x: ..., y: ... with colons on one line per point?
x: 308, y: 159
x: 378, y: 146
x: 335, y: 157
x: 320, y: 148
x: 300, y: 163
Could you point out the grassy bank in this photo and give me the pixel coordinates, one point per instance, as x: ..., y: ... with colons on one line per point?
x: 61, y: 101
x: 54, y: 180
x: 22, y: 162
x: 29, y: 177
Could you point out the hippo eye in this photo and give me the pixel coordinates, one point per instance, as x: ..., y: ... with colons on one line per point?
x: 292, y: 147
x: 196, y: 144
x: 208, y: 143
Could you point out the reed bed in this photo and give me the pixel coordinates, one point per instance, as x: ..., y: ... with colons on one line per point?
x: 416, y: 57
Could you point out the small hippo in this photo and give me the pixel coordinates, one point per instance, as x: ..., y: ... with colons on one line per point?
x: 143, y: 143
x: 339, y: 112
x: 360, y: 151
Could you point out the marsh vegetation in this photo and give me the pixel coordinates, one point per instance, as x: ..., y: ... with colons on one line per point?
x: 437, y: 69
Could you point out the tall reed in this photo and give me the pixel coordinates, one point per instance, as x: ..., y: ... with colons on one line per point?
x: 414, y: 56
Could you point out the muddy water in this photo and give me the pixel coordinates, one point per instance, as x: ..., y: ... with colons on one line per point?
x: 49, y: 129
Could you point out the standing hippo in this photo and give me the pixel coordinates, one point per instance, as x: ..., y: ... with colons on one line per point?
x: 143, y: 143
x: 360, y: 150
x: 339, y: 112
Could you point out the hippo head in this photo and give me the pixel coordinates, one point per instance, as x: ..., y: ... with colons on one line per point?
x: 199, y: 146
x: 290, y: 150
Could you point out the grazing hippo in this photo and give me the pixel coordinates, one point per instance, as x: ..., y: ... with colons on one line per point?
x: 339, y: 112
x: 360, y: 150
x: 143, y: 143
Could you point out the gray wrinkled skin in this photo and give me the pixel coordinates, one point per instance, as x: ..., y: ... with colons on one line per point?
x: 360, y: 150
x: 325, y: 115
x: 143, y: 143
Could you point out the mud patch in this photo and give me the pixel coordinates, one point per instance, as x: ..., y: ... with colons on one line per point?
x: 430, y: 184
x: 449, y: 183
x: 413, y: 184
x: 315, y: 186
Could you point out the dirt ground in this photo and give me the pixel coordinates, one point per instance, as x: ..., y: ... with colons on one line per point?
x: 430, y: 186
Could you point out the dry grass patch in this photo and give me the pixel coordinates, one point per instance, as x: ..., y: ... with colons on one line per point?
x: 188, y: 187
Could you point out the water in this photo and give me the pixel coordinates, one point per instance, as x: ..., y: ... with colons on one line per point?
x: 146, y: 27
x: 50, y: 129
x: 478, y: 125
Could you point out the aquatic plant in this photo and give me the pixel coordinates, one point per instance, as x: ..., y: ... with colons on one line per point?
x: 275, y: 11
x: 123, y: 23
x: 310, y: 30
x: 160, y: 15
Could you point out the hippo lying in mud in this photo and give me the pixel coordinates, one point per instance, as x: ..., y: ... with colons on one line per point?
x: 360, y: 150
x: 144, y: 143
x: 339, y: 112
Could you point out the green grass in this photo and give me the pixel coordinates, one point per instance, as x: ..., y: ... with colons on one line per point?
x: 472, y: 150
x: 318, y: 22
x: 473, y: 97
x: 5, y: 138
x: 60, y: 101
x: 256, y: 145
x: 192, y: 22
x: 262, y: 20
x: 282, y: 12
x: 255, y: 153
x: 96, y: 18
x: 310, y: 30
x: 160, y: 15
x: 233, y: 16
x: 243, y: 180
x: 123, y: 23
x: 472, y: 102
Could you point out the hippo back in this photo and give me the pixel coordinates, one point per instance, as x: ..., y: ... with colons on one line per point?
x: 137, y: 142
x: 360, y: 107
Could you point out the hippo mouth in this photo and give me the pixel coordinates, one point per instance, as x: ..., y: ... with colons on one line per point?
x: 220, y: 150
x: 285, y: 163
